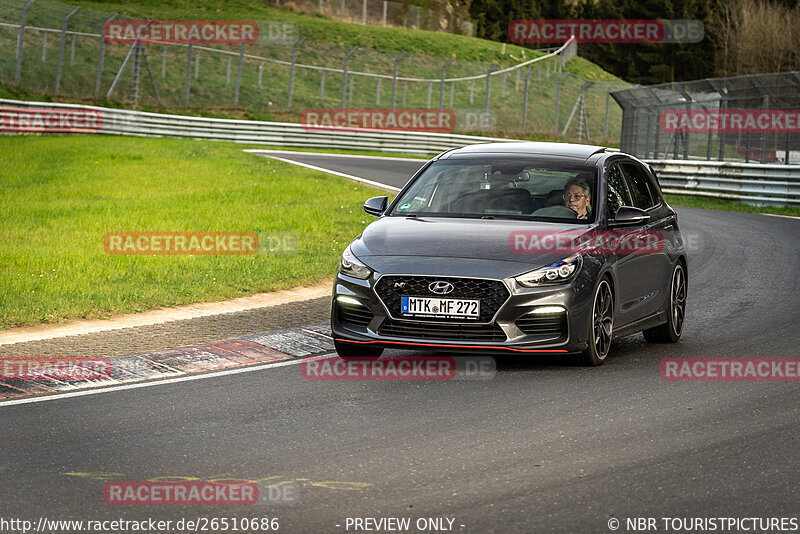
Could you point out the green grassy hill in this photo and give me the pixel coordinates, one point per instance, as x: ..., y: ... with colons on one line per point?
x: 212, y: 90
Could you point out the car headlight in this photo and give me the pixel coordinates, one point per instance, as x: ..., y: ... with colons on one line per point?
x: 352, y: 266
x: 559, y: 272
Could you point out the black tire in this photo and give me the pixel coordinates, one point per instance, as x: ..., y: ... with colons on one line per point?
x: 355, y: 350
x: 601, y: 326
x: 670, y: 332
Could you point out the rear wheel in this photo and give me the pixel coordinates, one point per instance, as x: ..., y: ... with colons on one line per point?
x: 670, y: 332
x: 601, y: 326
x: 356, y: 350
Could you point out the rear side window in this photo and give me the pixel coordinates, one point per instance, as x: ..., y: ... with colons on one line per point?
x: 617, y: 190
x: 639, y: 185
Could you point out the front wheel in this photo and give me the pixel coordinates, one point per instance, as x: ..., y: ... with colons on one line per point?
x: 601, y: 327
x: 670, y: 332
x: 356, y: 350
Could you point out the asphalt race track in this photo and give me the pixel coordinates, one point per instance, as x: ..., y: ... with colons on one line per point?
x: 394, y: 172
x: 541, y: 447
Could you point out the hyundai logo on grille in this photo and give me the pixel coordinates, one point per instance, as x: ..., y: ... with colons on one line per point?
x: 440, y: 288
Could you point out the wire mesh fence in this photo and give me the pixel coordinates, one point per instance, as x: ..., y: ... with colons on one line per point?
x: 59, y: 50
x: 753, y: 118
x: 383, y: 13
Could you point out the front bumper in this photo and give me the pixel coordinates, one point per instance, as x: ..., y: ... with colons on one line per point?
x: 363, y: 317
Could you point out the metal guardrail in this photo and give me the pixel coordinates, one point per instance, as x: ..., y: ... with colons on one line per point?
x: 748, y: 182
x: 753, y: 183
x: 146, y: 124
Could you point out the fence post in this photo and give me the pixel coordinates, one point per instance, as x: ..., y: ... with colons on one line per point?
x: 364, y: 12
x: 452, y: 93
x: 63, y: 44
x: 558, y: 98
x: 471, y: 91
x: 164, y: 62
x: 101, y: 56
x: 765, y: 105
x: 72, y: 51
x: 260, y: 73
x: 228, y: 72
x: 197, y: 65
x: 20, y: 40
x: 322, y: 87
x: 44, y: 47
x: 342, y: 16
x: 188, y: 74
x: 238, y: 76
x: 350, y: 95
x: 394, y: 77
x: 344, y: 69
x: 385, y: 7
x: 608, y: 97
x: 405, y: 86
x: 441, y: 92
x: 525, y: 98
x: 121, y: 70
x: 292, y: 71
x: 137, y: 58
x: 430, y: 90
x: 378, y: 93
x: 489, y: 88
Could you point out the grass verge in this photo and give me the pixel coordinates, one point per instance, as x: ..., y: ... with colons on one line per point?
x: 61, y: 195
x: 708, y: 203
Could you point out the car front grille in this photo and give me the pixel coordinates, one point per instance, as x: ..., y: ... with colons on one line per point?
x: 351, y: 315
x: 492, y: 294
x: 442, y: 332
x: 543, y: 324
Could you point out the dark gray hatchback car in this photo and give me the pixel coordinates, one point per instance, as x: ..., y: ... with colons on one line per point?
x: 523, y: 248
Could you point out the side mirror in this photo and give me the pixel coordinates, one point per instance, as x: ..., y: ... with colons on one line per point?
x: 629, y: 216
x: 376, y: 205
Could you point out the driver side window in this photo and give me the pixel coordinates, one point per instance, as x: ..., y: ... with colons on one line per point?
x: 618, y: 194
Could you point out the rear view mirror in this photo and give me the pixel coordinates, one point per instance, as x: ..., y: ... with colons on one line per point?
x: 376, y: 205
x: 629, y: 216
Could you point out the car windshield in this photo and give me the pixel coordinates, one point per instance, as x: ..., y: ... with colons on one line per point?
x: 502, y: 188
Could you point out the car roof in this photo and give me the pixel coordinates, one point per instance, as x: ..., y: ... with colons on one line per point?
x: 528, y: 148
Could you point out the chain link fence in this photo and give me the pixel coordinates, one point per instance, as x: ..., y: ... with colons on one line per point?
x: 383, y: 13
x: 751, y: 118
x: 59, y: 50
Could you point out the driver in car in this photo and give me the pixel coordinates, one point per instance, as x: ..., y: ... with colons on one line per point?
x: 578, y: 197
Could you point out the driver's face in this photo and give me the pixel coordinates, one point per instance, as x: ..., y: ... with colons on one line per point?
x: 576, y: 200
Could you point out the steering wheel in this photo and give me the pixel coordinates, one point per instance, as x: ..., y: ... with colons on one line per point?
x: 557, y: 211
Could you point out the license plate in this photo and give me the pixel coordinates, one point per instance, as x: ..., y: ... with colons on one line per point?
x: 436, y: 307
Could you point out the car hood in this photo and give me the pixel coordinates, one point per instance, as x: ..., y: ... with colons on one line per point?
x: 453, y: 246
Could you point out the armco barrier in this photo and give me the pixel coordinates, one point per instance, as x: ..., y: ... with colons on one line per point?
x: 145, y: 124
x: 753, y: 183
x: 749, y: 182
